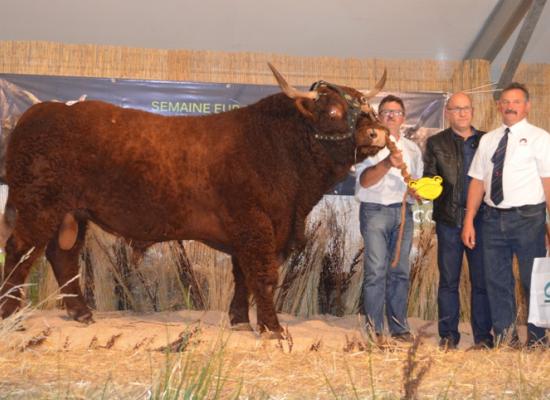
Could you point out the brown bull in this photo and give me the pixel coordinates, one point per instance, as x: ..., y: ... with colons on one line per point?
x: 242, y: 182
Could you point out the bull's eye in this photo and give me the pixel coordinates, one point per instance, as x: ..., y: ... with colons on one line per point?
x: 363, y: 100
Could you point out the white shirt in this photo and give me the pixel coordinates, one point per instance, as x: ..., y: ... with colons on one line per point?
x: 391, y: 187
x: 527, y: 160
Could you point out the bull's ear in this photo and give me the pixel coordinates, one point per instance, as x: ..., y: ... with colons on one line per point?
x: 306, y: 107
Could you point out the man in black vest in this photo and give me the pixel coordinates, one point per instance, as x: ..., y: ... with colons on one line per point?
x: 449, y: 154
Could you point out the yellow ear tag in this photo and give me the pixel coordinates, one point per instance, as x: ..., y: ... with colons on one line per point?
x: 428, y: 188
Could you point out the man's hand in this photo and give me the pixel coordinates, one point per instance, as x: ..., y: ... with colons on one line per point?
x: 396, y: 159
x: 473, y: 202
x: 469, y: 235
x: 411, y: 192
x: 548, y: 237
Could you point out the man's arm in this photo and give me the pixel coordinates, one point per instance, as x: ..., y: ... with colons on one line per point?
x: 430, y: 162
x: 475, y: 197
x: 416, y: 172
x: 372, y: 175
x: 546, y: 186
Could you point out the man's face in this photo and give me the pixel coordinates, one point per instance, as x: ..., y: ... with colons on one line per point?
x: 513, y: 106
x: 459, y: 112
x: 392, y: 116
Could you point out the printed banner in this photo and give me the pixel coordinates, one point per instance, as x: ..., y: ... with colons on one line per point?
x: 18, y: 92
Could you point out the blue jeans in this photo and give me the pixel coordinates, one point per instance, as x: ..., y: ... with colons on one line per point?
x: 382, y: 284
x: 450, y: 252
x: 518, y: 231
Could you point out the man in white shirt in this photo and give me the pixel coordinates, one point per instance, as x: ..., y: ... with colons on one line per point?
x: 511, y: 174
x: 380, y: 189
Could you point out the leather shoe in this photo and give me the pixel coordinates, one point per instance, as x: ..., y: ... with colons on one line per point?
x: 482, y: 345
x: 447, y: 343
x: 405, y: 337
x: 537, y: 344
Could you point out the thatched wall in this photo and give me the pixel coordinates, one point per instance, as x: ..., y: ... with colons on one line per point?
x: 46, y: 58
x: 537, y: 79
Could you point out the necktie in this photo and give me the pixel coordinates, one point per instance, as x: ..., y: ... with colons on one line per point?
x: 498, y: 165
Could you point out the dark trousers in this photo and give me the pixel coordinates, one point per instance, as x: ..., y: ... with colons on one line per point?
x: 450, y: 252
x: 518, y: 231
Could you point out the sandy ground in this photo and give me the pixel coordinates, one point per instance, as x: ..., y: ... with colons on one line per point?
x: 130, y: 331
x: 120, y: 356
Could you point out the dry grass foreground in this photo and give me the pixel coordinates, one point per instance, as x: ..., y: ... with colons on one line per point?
x: 123, y: 356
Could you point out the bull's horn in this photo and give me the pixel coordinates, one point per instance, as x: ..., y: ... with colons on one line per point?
x: 291, y: 92
x: 32, y: 97
x: 377, y: 88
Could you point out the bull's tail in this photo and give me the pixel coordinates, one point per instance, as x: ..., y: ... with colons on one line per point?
x: 7, y: 224
x: 3, y: 164
x: 4, y: 139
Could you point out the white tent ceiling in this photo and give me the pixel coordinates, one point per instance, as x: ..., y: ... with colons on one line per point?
x: 396, y: 29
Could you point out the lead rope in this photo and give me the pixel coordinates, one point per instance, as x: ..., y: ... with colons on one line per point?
x: 392, y: 147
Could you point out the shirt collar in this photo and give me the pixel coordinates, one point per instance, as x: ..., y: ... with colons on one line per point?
x: 517, y: 127
x: 456, y: 136
x: 396, y: 141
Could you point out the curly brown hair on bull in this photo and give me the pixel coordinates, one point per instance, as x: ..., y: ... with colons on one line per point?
x: 242, y: 182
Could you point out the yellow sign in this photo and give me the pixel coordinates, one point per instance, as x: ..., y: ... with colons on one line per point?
x: 428, y: 188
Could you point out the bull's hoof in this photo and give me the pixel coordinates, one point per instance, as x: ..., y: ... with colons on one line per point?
x: 268, y: 335
x: 241, y: 326
x: 86, y: 319
x: 8, y: 308
x: 16, y: 319
x: 82, y: 317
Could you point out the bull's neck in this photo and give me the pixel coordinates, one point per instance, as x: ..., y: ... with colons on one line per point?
x: 331, y: 164
x: 323, y: 163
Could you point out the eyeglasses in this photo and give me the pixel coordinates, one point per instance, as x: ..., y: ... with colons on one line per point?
x: 392, y: 113
x: 457, y: 110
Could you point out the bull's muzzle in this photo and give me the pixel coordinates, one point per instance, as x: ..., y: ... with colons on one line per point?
x: 373, y: 136
x: 370, y: 140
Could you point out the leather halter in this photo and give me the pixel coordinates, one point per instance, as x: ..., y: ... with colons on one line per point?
x: 354, y: 110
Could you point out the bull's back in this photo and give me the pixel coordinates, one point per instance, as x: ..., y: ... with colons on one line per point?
x: 130, y: 169
x: 98, y: 136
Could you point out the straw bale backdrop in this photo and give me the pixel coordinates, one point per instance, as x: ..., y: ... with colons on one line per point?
x: 47, y: 58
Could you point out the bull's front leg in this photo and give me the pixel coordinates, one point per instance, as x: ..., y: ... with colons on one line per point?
x: 265, y: 308
x: 261, y: 277
x: 257, y: 260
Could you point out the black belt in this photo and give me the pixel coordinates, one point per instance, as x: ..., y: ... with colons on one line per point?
x: 528, y: 207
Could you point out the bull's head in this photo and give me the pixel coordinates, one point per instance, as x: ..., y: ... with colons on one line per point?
x: 339, y: 113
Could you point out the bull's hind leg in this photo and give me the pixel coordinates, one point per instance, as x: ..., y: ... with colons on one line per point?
x: 238, y: 310
x: 65, y: 267
x: 20, y: 255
